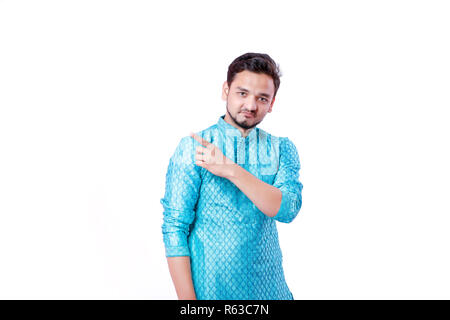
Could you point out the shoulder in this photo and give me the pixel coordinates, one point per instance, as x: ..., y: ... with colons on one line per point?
x: 187, y: 142
x: 185, y: 150
x: 282, y: 144
x: 289, y: 152
x: 287, y: 145
x: 211, y: 134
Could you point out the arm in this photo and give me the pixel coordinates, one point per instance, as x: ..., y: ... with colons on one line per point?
x: 180, y: 271
x: 266, y: 198
x: 182, y: 186
x: 282, y: 200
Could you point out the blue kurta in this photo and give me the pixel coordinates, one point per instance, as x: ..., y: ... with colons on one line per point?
x: 233, y: 247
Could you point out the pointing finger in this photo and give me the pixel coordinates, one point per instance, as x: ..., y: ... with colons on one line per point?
x: 200, y: 139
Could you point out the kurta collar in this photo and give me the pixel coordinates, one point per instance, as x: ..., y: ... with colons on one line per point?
x: 229, y: 130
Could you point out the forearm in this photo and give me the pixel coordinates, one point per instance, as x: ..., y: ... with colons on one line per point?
x: 180, y: 271
x: 264, y: 196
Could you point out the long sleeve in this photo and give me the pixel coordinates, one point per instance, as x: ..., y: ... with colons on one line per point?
x: 287, y: 180
x: 183, y: 181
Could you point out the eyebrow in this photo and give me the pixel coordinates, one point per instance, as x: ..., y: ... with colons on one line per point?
x: 261, y: 94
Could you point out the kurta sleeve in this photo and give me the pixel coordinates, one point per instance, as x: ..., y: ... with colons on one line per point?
x: 287, y: 180
x: 183, y: 181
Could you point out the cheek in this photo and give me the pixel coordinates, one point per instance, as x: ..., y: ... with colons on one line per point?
x: 235, y: 104
x: 235, y: 101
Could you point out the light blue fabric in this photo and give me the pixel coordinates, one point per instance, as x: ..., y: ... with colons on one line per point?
x: 233, y: 247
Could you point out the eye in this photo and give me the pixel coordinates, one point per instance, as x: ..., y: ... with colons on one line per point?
x: 264, y: 99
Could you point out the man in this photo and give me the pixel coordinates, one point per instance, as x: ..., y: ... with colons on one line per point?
x: 225, y: 188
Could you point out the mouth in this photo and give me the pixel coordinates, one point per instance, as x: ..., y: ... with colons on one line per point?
x: 248, y: 114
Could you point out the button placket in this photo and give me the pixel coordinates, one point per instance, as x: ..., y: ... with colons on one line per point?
x: 241, y: 151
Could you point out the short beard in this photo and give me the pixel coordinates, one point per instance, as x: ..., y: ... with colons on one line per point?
x: 242, y: 125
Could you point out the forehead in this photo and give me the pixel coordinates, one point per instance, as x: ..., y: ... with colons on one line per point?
x: 253, y: 81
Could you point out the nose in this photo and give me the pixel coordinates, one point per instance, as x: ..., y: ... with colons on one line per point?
x: 251, y: 105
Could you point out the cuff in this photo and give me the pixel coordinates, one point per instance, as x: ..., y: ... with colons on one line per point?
x: 177, y: 251
x: 289, y: 208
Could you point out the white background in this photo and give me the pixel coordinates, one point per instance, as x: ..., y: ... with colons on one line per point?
x: 95, y: 96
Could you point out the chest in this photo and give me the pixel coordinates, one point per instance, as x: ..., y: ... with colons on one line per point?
x: 258, y: 159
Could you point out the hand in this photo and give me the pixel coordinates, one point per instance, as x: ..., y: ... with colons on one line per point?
x: 210, y: 157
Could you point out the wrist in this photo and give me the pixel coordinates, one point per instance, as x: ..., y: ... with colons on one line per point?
x: 232, y: 172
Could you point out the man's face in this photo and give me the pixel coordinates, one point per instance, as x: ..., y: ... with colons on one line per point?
x: 249, y: 98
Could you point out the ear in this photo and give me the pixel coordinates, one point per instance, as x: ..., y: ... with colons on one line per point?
x: 225, y: 91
